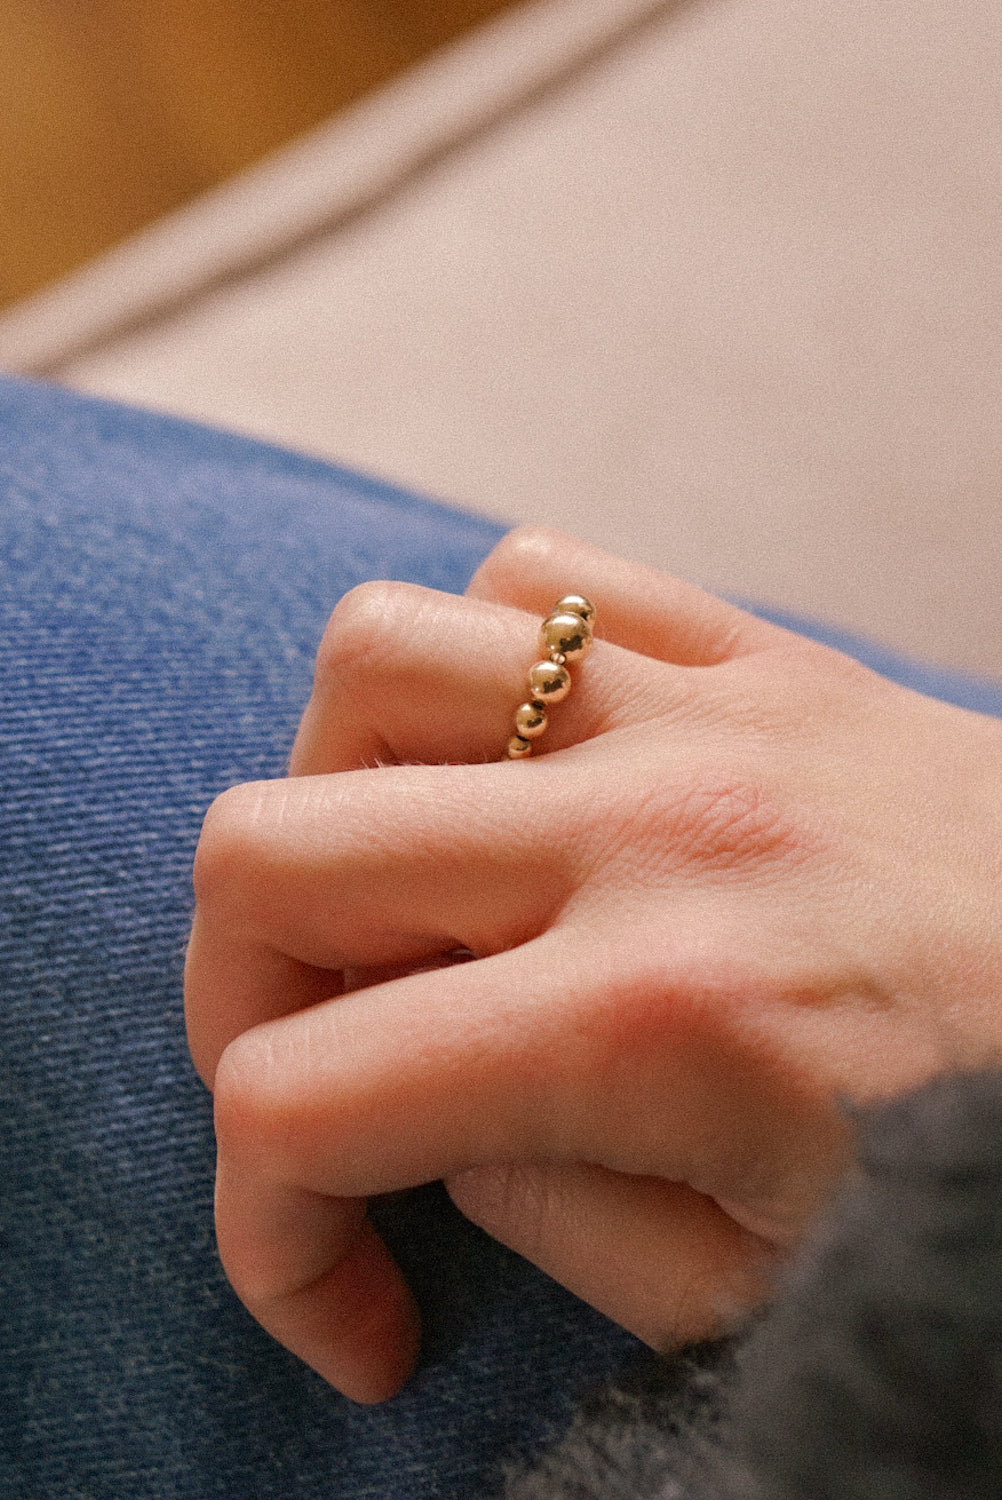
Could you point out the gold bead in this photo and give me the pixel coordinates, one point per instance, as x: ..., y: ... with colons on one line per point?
x: 576, y: 604
x: 549, y: 682
x: 567, y: 633
x: 530, y: 720
x: 518, y: 748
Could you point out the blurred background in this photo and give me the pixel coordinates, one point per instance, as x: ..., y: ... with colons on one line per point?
x: 116, y: 111
x: 713, y: 283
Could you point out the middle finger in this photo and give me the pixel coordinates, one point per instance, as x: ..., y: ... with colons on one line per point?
x: 298, y: 880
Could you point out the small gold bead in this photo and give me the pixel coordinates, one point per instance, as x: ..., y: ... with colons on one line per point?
x: 557, y: 657
x: 567, y: 633
x: 576, y: 604
x: 549, y: 681
x: 518, y: 748
x: 530, y: 720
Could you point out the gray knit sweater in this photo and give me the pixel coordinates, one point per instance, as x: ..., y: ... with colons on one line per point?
x: 876, y: 1375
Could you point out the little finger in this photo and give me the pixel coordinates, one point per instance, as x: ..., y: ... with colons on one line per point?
x: 656, y: 1257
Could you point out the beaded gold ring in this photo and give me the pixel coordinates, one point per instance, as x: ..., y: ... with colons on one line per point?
x: 565, y: 636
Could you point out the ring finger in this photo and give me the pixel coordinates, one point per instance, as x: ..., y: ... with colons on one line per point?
x: 408, y: 675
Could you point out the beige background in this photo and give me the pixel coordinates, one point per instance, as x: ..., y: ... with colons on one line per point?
x: 726, y: 298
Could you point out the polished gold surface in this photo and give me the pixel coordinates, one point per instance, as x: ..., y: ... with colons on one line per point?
x: 566, y: 633
x: 530, y: 720
x: 576, y: 604
x: 549, y: 682
x: 116, y: 111
x: 565, y: 636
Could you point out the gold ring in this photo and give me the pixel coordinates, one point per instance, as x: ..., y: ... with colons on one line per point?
x: 564, y: 636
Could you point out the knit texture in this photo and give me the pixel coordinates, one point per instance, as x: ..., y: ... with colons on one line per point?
x: 876, y: 1374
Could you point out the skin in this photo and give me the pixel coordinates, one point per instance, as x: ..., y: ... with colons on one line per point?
x: 745, y: 881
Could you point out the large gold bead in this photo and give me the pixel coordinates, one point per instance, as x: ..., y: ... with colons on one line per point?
x: 576, y: 604
x: 530, y: 720
x: 568, y: 633
x: 518, y: 748
x: 549, y: 682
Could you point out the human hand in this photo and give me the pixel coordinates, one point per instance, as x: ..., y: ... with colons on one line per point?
x: 746, y: 880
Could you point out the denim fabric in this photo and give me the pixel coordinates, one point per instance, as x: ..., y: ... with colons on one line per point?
x: 162, y: 592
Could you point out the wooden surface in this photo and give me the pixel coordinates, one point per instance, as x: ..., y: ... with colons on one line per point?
x: 116, y: 111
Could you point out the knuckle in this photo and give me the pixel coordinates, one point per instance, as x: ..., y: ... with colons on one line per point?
x: 362, y: 627
x: 526, y: 548
x: 512, y: 1202
x: 224, y: 845
x: 720, y: 819
x: 247, y: 1121
x: 229, y: 1105
x: 726, y: 819
x: 534, y: 1204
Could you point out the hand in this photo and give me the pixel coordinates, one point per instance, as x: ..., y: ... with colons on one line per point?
x: 746, y: 880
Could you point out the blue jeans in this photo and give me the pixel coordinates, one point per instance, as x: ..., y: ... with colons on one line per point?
x: 162, y: 592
